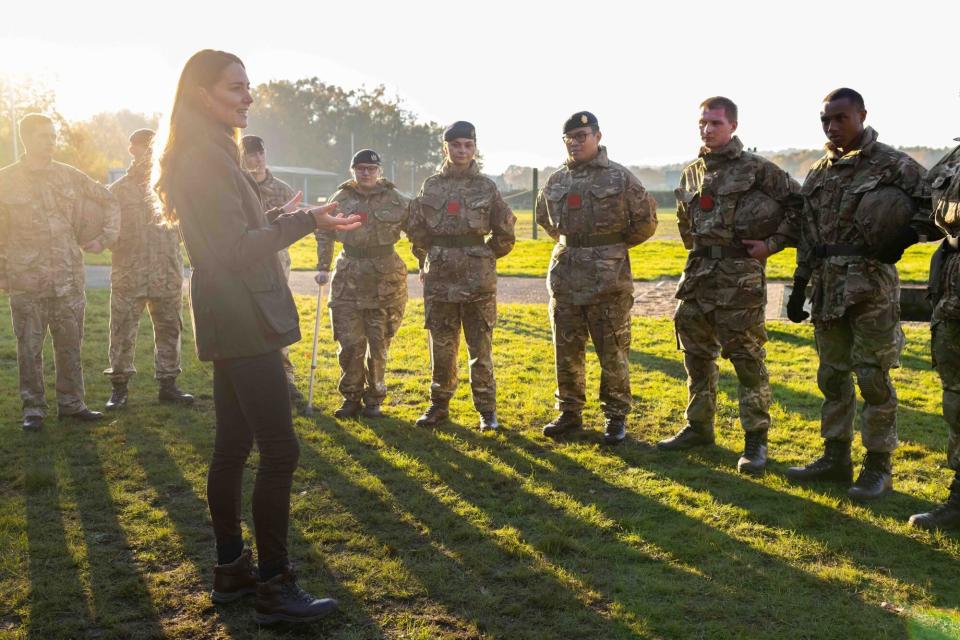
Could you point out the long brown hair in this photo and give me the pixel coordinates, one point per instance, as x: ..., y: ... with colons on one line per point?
x: 189, y: 123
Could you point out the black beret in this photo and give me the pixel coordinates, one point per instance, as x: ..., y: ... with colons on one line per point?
x: 365, y: 156
x: 142, y: 136
x: 460, y: 129
x: 580, y: 119
x: 252, y: 144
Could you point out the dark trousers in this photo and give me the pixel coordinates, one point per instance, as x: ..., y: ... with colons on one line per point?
x: 253, y: 404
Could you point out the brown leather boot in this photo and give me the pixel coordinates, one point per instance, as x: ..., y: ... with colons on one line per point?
x: 280, y: 599
x: 235, y: 580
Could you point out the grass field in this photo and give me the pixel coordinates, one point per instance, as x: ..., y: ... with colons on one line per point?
x: 451, y: 534
x: 661, y: 257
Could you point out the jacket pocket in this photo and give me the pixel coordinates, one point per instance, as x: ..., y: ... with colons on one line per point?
x: 274, y: 302
x: 608, y: 210
x: 432, y: 207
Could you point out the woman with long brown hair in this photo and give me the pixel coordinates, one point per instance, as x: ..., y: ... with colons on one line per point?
x: 243, y: 314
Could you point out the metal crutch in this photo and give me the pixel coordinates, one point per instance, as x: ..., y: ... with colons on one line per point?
x: 313, y: 358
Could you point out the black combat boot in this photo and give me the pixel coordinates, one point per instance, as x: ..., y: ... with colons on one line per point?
x: 118, y: 397
x: 234, y: 580
x: 946, y: 516
x: 833, y: 466
x: 875, y: 479
x: 435, y: 415
x: 86, y: 415
x: 280, y: 599
x: 488, y: 421
x: 566, y: 422
x: 689, y: 437
x: 615, y: 429
x: 32, y: 423
x: 371, y: 411
x: 754, y: 458
x: 349, y: 409
x: 171, y: 394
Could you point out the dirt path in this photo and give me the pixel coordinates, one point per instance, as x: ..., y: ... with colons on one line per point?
x: 651, y: 299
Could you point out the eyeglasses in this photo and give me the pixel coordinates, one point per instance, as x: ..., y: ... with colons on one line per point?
x: 580, y: 137
x: 370, y: 170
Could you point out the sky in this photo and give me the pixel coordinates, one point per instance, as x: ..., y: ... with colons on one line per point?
x: 517, y: 70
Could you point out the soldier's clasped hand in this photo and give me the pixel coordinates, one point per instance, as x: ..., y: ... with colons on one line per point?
x: 757, y: 249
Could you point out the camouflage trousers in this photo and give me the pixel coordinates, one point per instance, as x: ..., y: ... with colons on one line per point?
x: 946, y: 358
x: 608, y: 325
x: 288, y: 367
x: 63, y: 317
x: 125, y: 314
x: 867, y: 341
x: 739, y: 336
x: 444, y: 321
x: 363, y: 337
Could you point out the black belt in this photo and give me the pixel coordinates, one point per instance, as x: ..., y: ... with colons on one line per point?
x: 456, y: 242
x: 377, y: 251
x: 719, y: 252
x: 833, y: 250
x: 580, y: 240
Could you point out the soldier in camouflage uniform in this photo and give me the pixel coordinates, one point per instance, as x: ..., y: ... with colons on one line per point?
x: 856, y: 291
x: 596, y: 210
x: 147, y: 272
x: 368, y: 293
x: 459, y: 226
x: 727, y: 196
x: 49, y: 214
x: 274, y: 194
x: 944, y: 182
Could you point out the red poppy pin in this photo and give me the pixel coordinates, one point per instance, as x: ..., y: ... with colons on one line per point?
x: 453, y: 207
x: 574, y: 201
x: 706, y: 202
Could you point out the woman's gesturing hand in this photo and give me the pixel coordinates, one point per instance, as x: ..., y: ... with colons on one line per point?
x: 326, y: 221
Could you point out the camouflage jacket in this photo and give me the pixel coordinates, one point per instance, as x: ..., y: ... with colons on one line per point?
x: 45, y: 216
x: 944, y: 181
x: 274, y: 193
x: 367, y: 282
x: 726, y: 196
x: 454, y: 204
x: 597, y: 198
x: 831, y: 192
x: 146, y: 257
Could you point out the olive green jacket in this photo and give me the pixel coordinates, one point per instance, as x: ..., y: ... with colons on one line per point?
x: 241, y: 303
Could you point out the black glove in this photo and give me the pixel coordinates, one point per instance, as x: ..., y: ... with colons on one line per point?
x: 892, y: 251
x: 798, y: 297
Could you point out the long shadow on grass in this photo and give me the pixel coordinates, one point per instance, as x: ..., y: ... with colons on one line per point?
x: 189, y: 514
x: 58, y: 604
x: 121, y: 599
x: 598, y: 555
x: 865, y: 543
x: 912, y: 425
x: 459, y: 565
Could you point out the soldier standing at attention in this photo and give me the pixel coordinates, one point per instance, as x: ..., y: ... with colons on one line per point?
x: 944, y: 181
x: 44, y: 205
x: 596, y: 210
x: 369, y: 289
x: 728, y: 199
x: 459, y: 226
x: 147, y: 271
x: 274, y: 193
x: 859, y: 201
